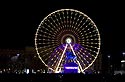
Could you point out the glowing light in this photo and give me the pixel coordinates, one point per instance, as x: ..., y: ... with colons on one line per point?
x: 71, y: 67
x: 109, y: 56
x: 123, y: 53
x: 68, y: 40
x: 17, y: 54
x: 123, y: 61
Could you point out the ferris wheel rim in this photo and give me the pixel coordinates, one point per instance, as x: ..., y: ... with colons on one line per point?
x: 36, y: 47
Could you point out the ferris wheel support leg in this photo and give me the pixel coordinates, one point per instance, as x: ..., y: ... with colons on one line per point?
x: 61, y: 59
x: 76, y: 59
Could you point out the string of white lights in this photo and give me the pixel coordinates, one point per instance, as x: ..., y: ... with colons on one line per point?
x: 63, y: 23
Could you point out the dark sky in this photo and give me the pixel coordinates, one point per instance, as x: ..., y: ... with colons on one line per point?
x: 19, y: 21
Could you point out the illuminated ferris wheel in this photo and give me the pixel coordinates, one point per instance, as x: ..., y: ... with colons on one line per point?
x: 67, y: 31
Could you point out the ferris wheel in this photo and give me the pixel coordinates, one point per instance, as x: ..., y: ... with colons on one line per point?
x: 64, y: 30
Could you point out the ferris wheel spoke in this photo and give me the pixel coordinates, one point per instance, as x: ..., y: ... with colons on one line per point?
x: 54, y: 25
x: 55, y: 58
x: 74, y: 20
x: 83, y: 58
x: 90, y: 46
x: 47, y: 27
x: 50, y: 25
x: 61, y: 21
x: 57, y: 19
x: 90, y: 50
x: 83, y: 22
x: 81, y: 27
x: 88, y: 33
x: 67, y: 19
x: 64, y: 19
x: 78, y: 22
x: 70, y: 20
x: 42, y: 50
x: 80, y: 64
x: 47, y: 37
x: 45, y: 34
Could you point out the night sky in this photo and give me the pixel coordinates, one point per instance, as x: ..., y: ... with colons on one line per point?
x: 19, y: 21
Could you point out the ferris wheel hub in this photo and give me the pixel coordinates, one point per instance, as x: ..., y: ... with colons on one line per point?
x: 68, y: 40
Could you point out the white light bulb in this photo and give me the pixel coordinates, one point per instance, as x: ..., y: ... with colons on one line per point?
x: 68, y: 40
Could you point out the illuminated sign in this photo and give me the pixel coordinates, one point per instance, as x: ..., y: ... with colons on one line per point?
x: 71, y: 67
